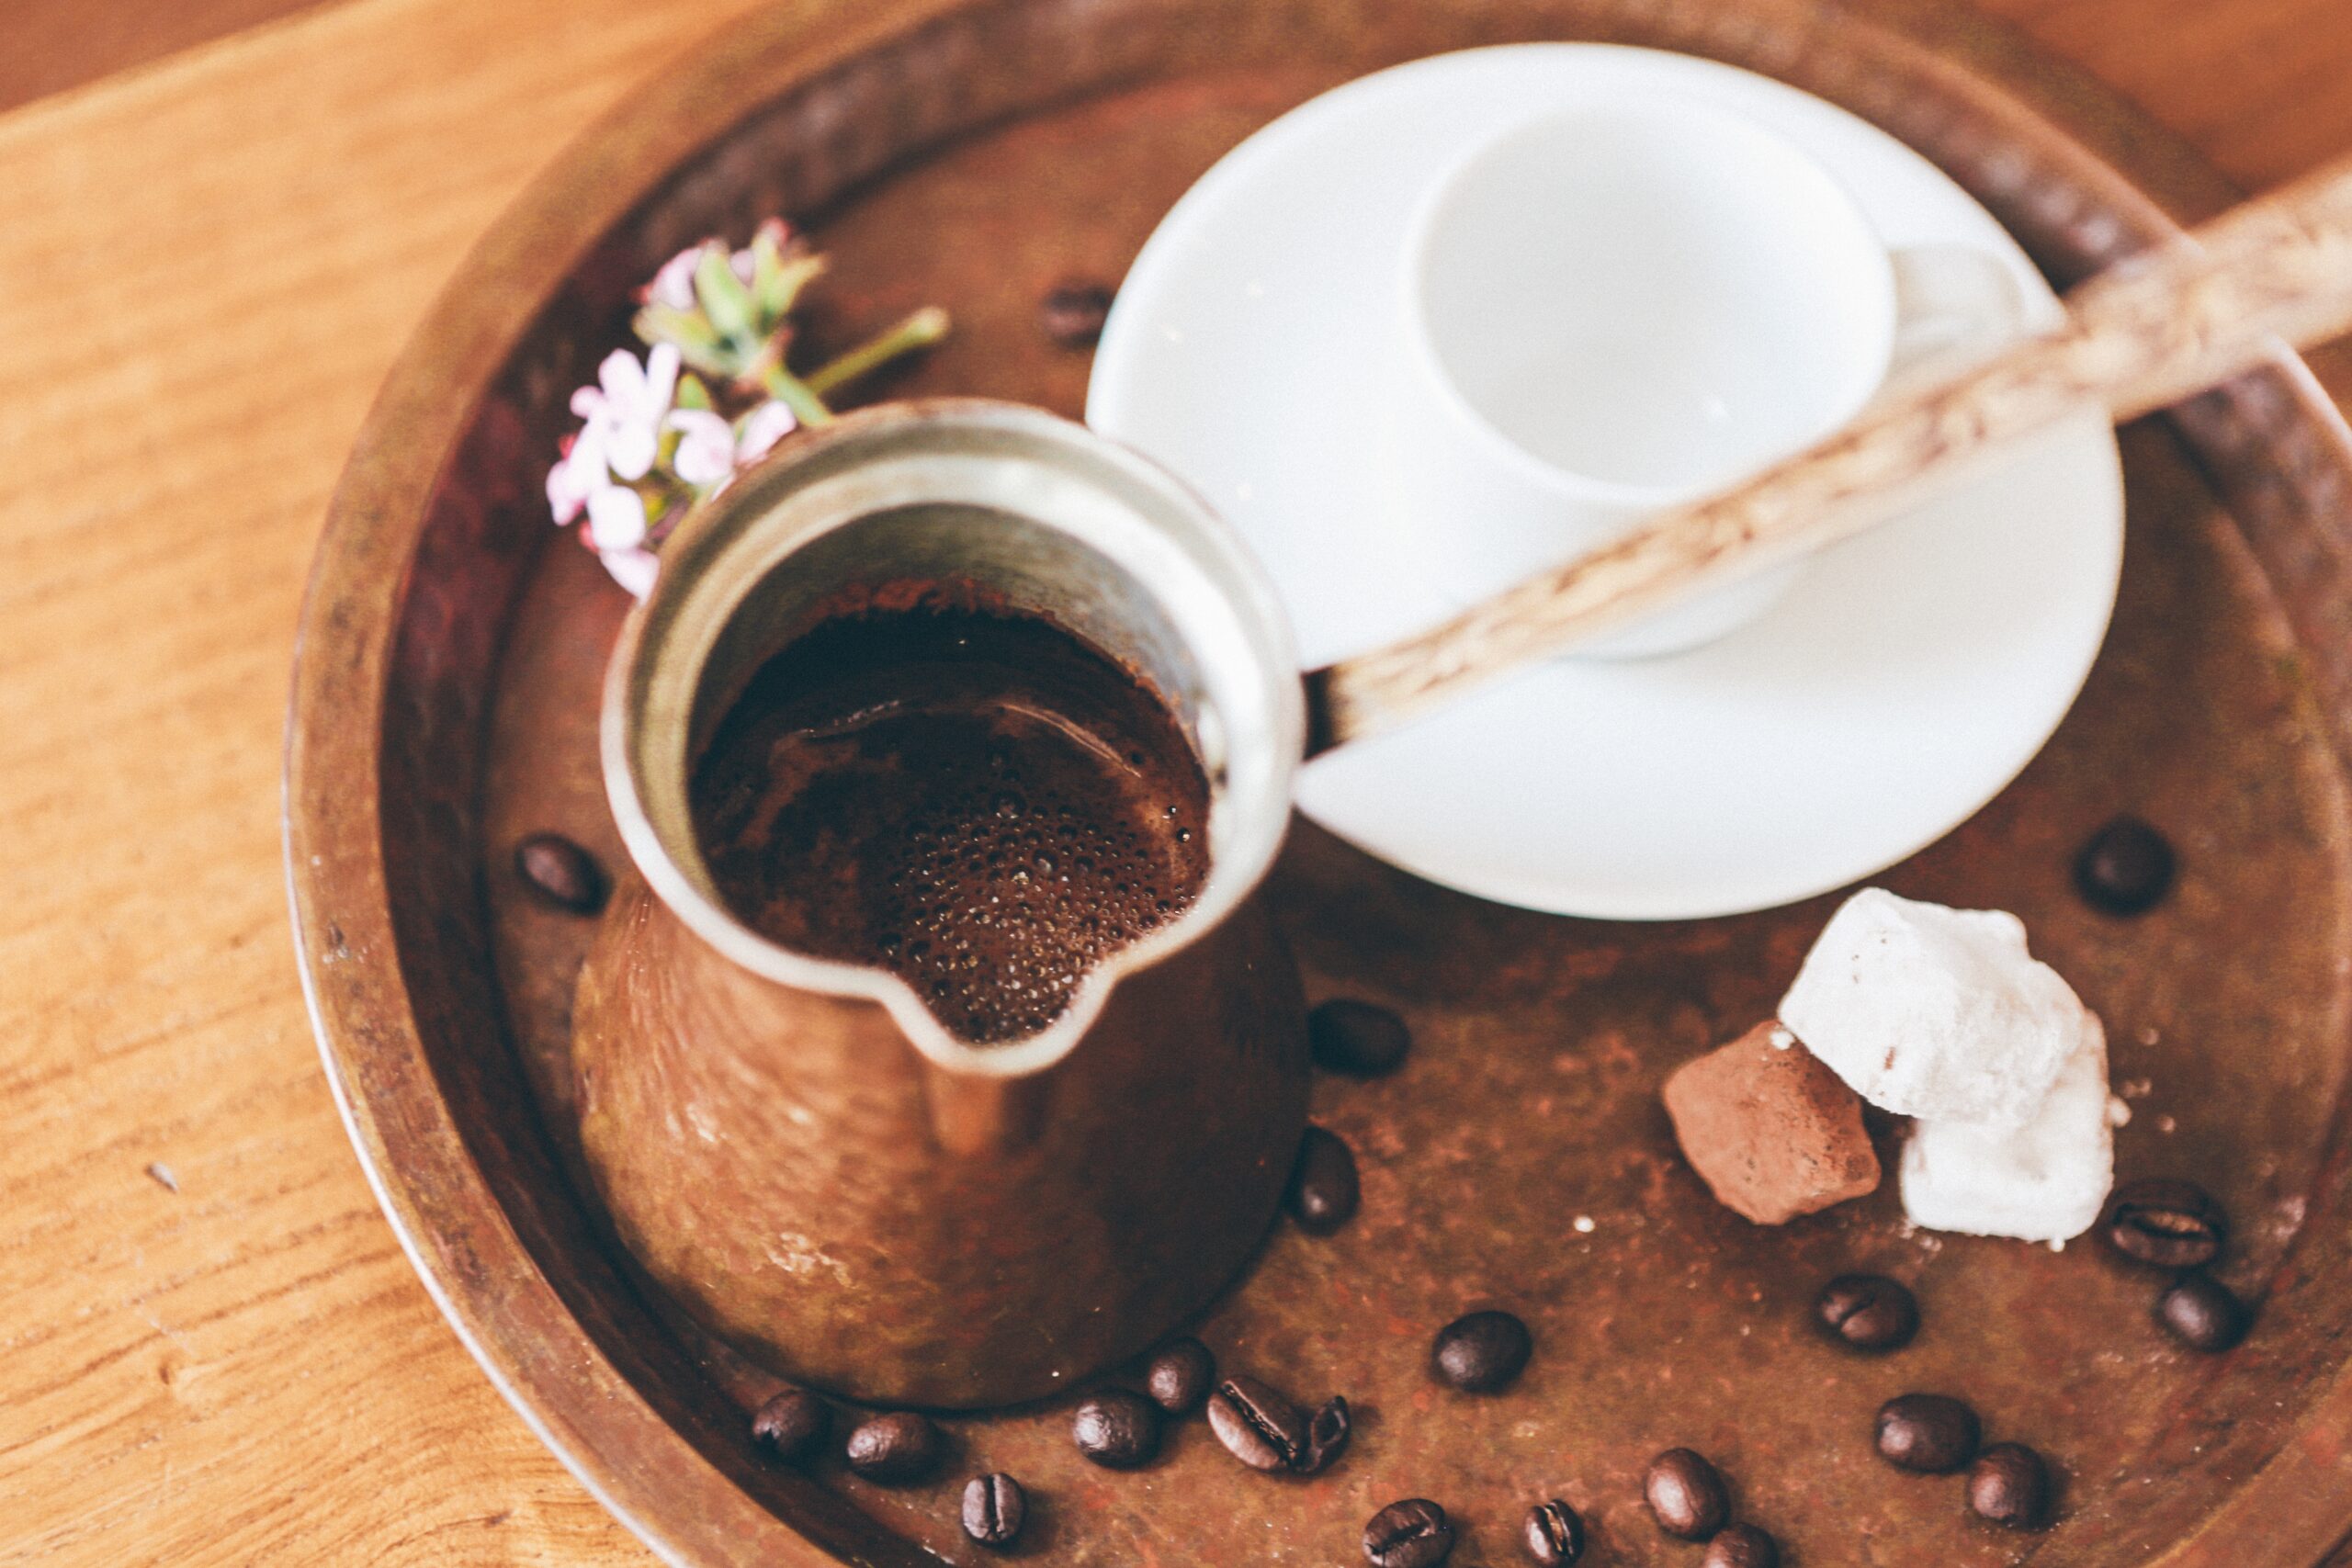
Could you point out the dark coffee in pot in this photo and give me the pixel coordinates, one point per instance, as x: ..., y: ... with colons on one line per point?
x: 981, y: 803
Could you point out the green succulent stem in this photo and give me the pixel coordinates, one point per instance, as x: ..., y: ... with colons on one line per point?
x: 793, y: 393
x: 919, y: 331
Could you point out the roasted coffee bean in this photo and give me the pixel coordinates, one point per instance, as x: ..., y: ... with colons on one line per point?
x: 894, y: 1448
x: 1180, y: 1375
x: 561, y: 873
x: 994, y: 1507
x: 2125, y: 869
x: 1932, y: 1433
x: 2203, y: 1313
x: 2010, y: 1485
x: 1554, y: 1533
x: 2174, y: 1224
x: 1869, y: 1312
x: 793, y: 1424
x: 1323, y: 1189
x: 1115, y: 1428
x: 1410, y: 1534
x: 1072, y: 313
x: 1686, y: 1495
x: 1257, y: 1425
x: 1482, y: 1352
x: 1358, y: 1039
x: 1742, y: 1546
x: 1326, y: 1435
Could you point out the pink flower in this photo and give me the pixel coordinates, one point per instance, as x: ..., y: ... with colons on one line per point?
x: 624, y: 411
x: 615, y: 519
x: 706, y: 454
x: 634, y: 569
x: 674, y: 285
x: 609, y: 468
x: 710, y: 450
x: 578, y: 474
x: 762, y: 429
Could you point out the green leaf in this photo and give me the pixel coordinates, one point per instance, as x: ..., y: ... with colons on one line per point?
x: 691, y: 393
x: 767, y: 279
x: 689, y: 333
x: 724, y: 299
x: 789, y: 390
x: 917, y: 332
x: 794, y: 273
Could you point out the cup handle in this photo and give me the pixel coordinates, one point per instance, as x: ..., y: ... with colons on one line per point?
x: 1953, y: 304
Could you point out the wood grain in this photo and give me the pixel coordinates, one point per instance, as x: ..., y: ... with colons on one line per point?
x: 205, y: 270
x: 52, y: 46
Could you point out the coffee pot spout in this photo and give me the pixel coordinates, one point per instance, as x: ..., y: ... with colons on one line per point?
x: 796, y: 1149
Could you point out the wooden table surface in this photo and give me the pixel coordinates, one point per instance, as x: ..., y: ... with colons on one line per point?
x: 214, y: 1350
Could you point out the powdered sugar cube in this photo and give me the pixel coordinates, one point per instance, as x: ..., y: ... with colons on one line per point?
x: 2044, y: 1182
x: 1934, y: 1012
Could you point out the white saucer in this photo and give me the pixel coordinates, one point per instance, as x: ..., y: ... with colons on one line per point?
x: 1902, y: 682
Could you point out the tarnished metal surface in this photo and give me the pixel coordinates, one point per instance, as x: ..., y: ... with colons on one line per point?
x: 1530, y: 1100
x: 808, y: 1161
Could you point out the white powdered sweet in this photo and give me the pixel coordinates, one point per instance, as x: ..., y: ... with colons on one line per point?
x: 2044, y: 1182
x: 1934, y: 1012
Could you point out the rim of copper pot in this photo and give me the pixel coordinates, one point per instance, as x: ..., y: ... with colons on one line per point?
x: 1201, y: 573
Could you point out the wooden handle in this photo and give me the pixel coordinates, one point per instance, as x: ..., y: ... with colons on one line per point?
x: 2145, y: 333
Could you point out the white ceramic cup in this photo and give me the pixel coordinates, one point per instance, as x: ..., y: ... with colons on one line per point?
x: 1614, y: 308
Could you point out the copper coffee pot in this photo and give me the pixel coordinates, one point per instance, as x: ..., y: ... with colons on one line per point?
x: 793, y: 1148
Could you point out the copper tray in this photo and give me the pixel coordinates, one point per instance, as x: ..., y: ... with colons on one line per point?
x: 974, y: 153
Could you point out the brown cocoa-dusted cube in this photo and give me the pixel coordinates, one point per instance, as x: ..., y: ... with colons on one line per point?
x: 1768, y: 1128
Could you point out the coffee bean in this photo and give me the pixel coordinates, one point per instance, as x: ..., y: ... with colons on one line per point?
x: 1554, y: 1533
x: 1686, y: 1495
x: 994, y: 1507
x: 2125, y: 869
x: 1180, y: 1375
x: 2201, y: 1313
x: 1257, y: 1425
x: 1358, y: 1039
x: 2174, y: 1224
x: 793, y: 1424
x: 1115, y: 1428
x: 1323, y: 1189
x: 1482, y: 1352
x: 894, y: 1448
x: 1326, y: 1435
x: 1742, y: 1546
x: 2010, y: 1485
x: 561, y: 873
x: 1869, y: 1312
x: 1933, y: 1434
x: 1072, y: 313
x: 1410, y: 1534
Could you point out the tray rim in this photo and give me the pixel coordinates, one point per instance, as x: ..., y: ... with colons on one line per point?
x: 462, y: 1242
